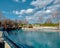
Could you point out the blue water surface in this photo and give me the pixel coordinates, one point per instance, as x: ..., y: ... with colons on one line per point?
x: 35, y: 39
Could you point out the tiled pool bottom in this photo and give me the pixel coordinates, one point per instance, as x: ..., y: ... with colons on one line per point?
x: 36, y: 39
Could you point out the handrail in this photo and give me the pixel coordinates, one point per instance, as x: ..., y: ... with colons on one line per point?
x: 12, y: 41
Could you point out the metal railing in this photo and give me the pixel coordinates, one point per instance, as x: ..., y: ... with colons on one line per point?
x: 13, y: 43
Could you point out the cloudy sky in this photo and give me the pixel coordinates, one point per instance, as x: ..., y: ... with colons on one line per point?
x: 34, y: 11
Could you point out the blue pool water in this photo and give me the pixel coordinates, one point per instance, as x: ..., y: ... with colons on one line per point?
x: 35, y: 39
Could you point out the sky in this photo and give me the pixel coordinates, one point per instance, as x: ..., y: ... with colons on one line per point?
x: 34, y: 11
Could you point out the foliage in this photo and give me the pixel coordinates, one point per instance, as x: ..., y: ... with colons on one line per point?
x: 49, y: 24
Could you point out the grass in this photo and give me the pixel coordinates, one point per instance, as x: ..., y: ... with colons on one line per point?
x: 45, y: 24
x: 49, y: 24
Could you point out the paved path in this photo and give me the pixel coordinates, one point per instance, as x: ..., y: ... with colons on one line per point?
x: 7, y: 45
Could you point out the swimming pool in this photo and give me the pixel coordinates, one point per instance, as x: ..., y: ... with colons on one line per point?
x: 35, y: 39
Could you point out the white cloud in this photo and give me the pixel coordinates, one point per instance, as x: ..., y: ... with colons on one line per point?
x: 41, y: 3
x: 28, y: 18
x: 22, y: 12
x: 48, y: 11
x: 7, y: 12
x: 36, y: 17
x: 29, y: 11
x: 19, y: 0
x: 41, y: 15
x: 16, y: 0
x: 57, y: 1
x: 23, y: 0
x: 16, y: 12
x: 19, y: 16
